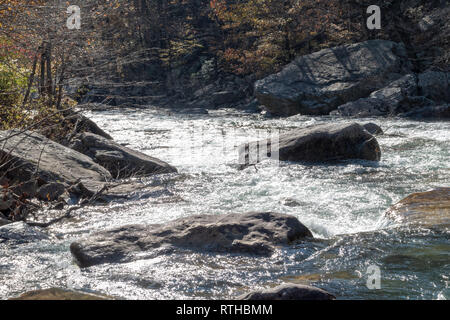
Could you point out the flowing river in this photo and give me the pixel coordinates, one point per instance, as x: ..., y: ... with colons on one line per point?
x: 342, y: 204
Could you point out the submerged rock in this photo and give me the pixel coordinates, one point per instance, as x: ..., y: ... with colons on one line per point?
x: 30, y: 155
x: 322, y: 143
x: 320, y: 82
x: 58, y: 294
x: 289, y: 291
x: 250, y: 233
x: 20, y: 232
x: 122, y: 162
x: 430, y: 208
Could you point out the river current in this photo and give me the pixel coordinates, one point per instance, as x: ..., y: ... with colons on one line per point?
x: 341, y: 203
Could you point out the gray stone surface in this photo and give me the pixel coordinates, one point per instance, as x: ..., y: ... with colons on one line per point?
x: 441, y: 112
x: 320, y: 82
x: 324, y: 143
x: 435, y: 85
x: 289, y: 291
x: 122, y: 162
x: 25, y: 154
x: 20, y: 232
x: 390, y: 100
x: 251, y: 233
x: 417, y: 95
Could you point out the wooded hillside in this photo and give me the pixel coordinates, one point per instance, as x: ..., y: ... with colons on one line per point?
x: 143, y: 50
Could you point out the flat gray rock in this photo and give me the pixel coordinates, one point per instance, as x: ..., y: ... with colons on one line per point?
x: 318, y: 83
x: 289, y: 291
x: 29, y: 152
x: 250, y: 233
x: 322, y: 143
x: 122, y: 162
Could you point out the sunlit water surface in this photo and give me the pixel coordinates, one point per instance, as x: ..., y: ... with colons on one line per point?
x: 342, y: 204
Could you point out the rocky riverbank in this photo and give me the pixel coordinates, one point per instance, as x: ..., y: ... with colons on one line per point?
x: 91, y: 168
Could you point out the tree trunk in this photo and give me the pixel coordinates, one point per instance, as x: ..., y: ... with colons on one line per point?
x: 30, y: 81
x: 48, y: 57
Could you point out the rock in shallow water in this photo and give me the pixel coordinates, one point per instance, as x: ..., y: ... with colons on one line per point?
x: 20, y: 232
x: 289, y: 291
x: 430, y: 208
x: 250, y: 233
x: 121, y: 161
x: 321, y: 143
x: 319, y: 82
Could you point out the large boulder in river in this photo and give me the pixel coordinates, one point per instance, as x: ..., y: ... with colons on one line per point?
x: 252, y: 233
x: 320, y: 82
x: 430, y: 208
x: 121, y: 161
x: 289, y: 291
x: 321, y: 143
x: 28, y: 155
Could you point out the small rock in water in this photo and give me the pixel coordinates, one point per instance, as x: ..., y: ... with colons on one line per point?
x: 289, y: 291
x: 289, y: 202
x: 20, y: 232
x: 250, y: 233
x: 121, y: 162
